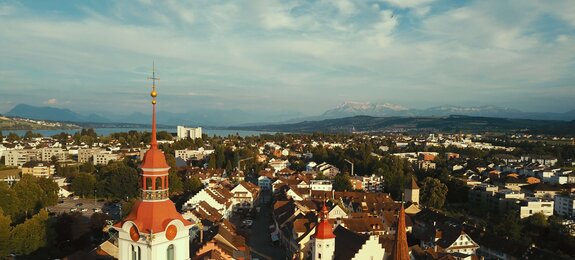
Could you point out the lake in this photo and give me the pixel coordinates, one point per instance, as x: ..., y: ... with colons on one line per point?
x: 107, y: 131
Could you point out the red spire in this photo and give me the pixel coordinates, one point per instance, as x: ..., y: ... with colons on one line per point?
x: 154, y: 158
x: 324, y: 229
x: 154, y: 94
x: 400, y: 249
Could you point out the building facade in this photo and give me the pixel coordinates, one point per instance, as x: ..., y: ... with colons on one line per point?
x: 189, y: 132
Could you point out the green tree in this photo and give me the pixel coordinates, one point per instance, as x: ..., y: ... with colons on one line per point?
x: 509, y: 226
x: 31, y: 235
x: 433, y: 193
x: 13, y: 137
x: 5, y: 230
x: 342, y: 182
x: 220, y: 157
x: 176, y: 184
x: 229, y: 167
x: 50, y: 189
x: 30, y: 193
x: 118, y: 180
x: 212, y: 162
x: 193, y: 185
x: 9, y: 201
x: 87, y: 167
x: 29, y: 135
x: 84, y: 184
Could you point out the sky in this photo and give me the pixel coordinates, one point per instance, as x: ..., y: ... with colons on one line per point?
x: 287, y: 56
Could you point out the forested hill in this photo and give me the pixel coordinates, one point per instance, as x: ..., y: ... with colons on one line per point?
x: 442, y: 124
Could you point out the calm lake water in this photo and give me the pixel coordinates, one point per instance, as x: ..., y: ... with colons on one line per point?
x: 107, y: 131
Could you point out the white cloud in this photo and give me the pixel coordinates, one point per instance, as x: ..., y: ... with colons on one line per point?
x: 239, y: 51
x: 408, y: 3
x: 51, y: 101
x: 345, y: 7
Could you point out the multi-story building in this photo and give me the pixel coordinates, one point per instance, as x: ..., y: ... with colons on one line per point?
x: 565, y: 205
x: 189, y: 132
x: 531, y: 205
x: 103, y: 158
x: 86, y: 155
x: 325, y: 185
x: 20, y: 157
x: 48, y: 153
x: 278, y: 165
x: 188, y: 154
x: 38, y: 169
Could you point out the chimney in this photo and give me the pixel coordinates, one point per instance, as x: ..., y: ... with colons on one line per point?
x: 332, y: 194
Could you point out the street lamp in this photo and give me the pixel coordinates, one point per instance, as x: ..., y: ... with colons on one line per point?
x: 348, y: 161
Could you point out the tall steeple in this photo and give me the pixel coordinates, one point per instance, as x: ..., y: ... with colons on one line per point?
x: 154, y: 167
x: 154, y: 229
x: 400, y: 249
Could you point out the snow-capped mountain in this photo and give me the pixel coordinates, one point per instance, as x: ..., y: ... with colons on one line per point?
x: 351, y: 108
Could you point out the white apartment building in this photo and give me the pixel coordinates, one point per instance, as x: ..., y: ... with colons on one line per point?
x: 187, y: 154
x: 189, y: 132
x: 323, y: 185
x: 565, y: 205
x: 531, y: 205
x: 278, y: 164
x: 104, y: 158
x: 48, y: 153
x: 21, y: 156
x: 85, y: 155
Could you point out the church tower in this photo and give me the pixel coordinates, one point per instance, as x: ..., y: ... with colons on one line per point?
x: 324, y: 247
x: 412, y: 192
x: 400, y: 250
x: 154, y: 229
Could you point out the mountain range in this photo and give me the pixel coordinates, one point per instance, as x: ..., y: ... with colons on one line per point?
x: 231, y: 117
x: 349, y: 109
x: 452, y: 124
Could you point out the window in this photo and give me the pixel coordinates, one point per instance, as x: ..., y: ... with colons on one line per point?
x: 134, y: 253
x: 171, y: 252
x: 319, y: 256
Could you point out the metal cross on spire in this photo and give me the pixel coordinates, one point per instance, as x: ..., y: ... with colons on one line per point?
x: 153, y: 77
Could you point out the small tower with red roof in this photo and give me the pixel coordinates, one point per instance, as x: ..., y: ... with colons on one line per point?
x: 324, y: 246
x: 154, y: 229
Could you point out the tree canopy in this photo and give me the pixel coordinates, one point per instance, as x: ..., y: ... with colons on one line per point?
x: 433, y: 193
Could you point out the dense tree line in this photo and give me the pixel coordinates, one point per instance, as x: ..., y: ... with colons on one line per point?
x: 27, y: 196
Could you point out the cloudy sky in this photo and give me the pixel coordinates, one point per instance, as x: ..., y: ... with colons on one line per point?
x: 305, y: 56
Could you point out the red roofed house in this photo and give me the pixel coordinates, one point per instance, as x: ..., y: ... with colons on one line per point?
x: 154, y: 229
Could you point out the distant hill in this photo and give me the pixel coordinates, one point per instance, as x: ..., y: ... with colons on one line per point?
x: 349, y: 109
x: 9, y: 123
x: 53, y: 114
x: 428, y: 124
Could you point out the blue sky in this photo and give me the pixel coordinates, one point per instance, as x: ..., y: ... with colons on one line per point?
x: 282, y: 56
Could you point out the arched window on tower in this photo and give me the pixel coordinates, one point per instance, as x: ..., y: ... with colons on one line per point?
x: 159, y: 185
x: 134, y: 253
x: 148, y: 183
x: 170, y: 252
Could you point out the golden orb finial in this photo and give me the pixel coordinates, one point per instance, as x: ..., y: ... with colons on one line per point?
x: 154, y: 93
x: 153, y: 101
